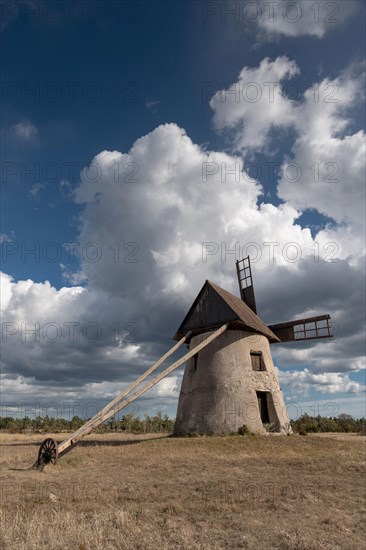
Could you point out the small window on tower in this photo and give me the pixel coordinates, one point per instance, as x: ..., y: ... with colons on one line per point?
x: 195, y: 361
x: 257, y: 360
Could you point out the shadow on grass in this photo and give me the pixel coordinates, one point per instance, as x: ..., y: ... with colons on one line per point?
x: 115, y: 443
x: 90, y: 442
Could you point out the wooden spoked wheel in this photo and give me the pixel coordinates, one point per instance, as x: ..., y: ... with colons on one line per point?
x: 47, y: 453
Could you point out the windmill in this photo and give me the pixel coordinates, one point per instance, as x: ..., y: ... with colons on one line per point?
x: 229, y: 380
x: 233, y: 382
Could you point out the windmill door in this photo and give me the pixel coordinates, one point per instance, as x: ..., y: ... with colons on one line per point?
x: 263, y: 406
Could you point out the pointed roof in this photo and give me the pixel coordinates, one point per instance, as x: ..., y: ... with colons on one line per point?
x: 214, y: 306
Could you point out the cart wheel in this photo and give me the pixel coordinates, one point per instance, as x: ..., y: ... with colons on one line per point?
x: 48, y: 453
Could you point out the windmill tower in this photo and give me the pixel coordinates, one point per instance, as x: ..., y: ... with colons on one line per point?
x: 233, y: 381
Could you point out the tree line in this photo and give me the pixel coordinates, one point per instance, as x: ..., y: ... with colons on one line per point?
x: 130, y: 423
x: 342, y: 423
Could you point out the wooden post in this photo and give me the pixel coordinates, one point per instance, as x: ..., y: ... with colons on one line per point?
x: 97, y: 419
x: 111, y: 410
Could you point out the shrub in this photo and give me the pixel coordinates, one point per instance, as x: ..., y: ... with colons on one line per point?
x: 244, y: 430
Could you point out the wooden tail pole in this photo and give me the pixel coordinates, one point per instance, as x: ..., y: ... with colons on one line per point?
x: 49, y: 451
x: 98, y: 418
x: 127, y: 391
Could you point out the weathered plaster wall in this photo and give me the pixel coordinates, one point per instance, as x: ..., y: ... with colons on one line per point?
x: 219, y: 394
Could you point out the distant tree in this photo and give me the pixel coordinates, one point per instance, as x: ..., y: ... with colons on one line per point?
x: 346, y: 422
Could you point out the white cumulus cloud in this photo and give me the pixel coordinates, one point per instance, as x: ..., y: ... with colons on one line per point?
x: 25, y: 131
x: 301, y: 17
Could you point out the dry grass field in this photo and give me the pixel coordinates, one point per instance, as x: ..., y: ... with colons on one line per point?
x: 150, y: 492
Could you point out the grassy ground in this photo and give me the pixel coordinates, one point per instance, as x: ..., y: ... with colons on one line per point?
x: 141, y: 492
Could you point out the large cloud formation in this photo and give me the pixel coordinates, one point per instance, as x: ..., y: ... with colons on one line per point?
x: 168, y: 214
x: 325, y: 169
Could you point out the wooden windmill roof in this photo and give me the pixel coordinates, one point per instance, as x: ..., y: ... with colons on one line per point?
x: 215, y: 306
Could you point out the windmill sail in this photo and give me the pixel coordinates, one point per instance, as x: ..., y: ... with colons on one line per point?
x: 311, y: 328
x: 245, y: 281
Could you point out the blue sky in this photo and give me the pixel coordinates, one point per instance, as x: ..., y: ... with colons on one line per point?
x: 150, y: 81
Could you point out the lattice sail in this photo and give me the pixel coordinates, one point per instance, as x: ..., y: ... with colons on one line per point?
x: 245, y: 281
x: 311, y: 328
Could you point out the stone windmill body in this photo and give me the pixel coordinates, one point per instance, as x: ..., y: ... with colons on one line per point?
x: 233, y: 381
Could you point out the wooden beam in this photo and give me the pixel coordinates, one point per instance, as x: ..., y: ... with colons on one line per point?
x: 123, y: 394
x: 85, y: 430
